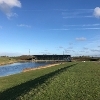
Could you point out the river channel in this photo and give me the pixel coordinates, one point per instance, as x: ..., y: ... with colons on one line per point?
x: 15, y: 68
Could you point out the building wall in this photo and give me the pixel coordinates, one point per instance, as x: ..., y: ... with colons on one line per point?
x: 53, y: 57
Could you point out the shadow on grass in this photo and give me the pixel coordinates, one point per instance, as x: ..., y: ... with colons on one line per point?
x: 14, y: 92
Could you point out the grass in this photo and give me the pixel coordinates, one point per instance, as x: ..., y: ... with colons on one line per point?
x: 70, y: 81
x: 6, y: 60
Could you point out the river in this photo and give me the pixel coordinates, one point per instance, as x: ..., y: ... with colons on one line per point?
x: 15, y: 68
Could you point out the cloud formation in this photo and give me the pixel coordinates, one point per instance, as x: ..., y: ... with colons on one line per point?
x: 59, y: 29
x: 95, y: 50
x: 85, y: 48
x: 97, y: 12
x: 61, y: 47
x: 24, y: 25
x: 95, y: 26
x: 84, y: 25
x: 81, y: 39
x: 7, y: 5
x: 77, y: 13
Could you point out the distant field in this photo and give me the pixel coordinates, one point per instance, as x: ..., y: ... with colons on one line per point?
x: 70, y: 81
x: 6, y: 60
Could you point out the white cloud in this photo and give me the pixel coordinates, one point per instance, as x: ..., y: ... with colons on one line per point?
x: 92, y: 45
x: 84, y: 25
x: 7, y: 5
x: 97, y: 12
x: 95, y: 26
x: 91, y: 28
x: 24, y: 25
x: 78, y: 17
x: 59, y: 29
x: 81, y: 39
x: 77, y: 13
x: 91, y: 25
x: 11, y: 3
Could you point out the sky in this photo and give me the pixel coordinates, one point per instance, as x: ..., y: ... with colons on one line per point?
x: 50, y: 27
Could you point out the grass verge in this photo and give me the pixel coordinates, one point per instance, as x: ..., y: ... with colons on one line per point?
x: 64, y: 82
x: 7, y: 60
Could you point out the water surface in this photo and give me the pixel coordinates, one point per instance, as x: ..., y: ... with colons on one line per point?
x: 15, y: 68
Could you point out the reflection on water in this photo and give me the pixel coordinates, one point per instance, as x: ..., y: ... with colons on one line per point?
x: 6, y: 70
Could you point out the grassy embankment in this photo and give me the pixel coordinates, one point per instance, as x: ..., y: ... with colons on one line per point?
x: 68, y: 81
x: 7, y: 60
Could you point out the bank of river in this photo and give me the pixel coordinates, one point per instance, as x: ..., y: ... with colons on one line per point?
x: 15, y: 68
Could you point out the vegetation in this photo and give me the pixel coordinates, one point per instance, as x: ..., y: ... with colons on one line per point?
x: 85, y: 58
x: 7, y: 60
x: 25, y: 57
x: 70, y: 81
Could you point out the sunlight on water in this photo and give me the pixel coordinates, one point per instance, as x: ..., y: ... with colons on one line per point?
x: 18, y: 67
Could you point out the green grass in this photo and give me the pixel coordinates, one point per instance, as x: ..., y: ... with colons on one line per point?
x: 70, y: 81
x: 6, y: 60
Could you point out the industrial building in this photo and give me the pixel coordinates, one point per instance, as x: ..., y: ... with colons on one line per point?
x: 53, y: 57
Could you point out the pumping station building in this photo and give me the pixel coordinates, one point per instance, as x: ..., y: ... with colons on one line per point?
x: 52, y: 57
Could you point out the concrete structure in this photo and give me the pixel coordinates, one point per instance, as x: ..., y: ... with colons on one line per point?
x: 52, y: 57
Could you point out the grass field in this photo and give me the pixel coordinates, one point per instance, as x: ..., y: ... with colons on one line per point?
x: 7, y: 60
x: 70, y: 81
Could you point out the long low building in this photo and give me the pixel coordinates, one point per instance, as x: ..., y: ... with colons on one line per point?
x: 53, y: 57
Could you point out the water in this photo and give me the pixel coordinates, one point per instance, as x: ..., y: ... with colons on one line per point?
x: 15, y: 68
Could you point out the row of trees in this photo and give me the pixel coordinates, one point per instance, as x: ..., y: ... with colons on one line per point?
x: 85, y: 58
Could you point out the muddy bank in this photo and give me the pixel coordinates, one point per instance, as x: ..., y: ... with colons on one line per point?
x: 50, y: 65
x: 6, y: 63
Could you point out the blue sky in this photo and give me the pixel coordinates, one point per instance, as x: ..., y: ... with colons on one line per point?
x: 50, y: 27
